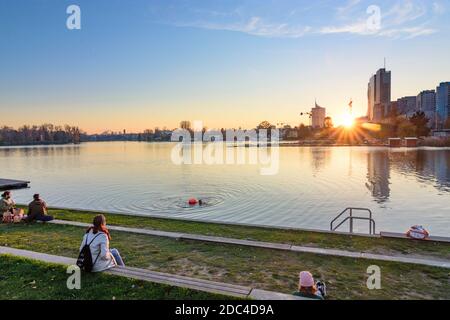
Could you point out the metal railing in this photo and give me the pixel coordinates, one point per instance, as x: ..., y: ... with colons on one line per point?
x: 351, y: 218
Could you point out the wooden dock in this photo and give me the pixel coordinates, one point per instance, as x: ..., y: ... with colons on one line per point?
x: 7, y: 184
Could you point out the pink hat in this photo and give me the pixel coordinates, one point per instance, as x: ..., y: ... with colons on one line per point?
x: 306, y: 279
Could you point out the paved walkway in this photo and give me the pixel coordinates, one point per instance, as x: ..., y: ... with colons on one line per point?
x: 269, y: 245
x: 164, y: 278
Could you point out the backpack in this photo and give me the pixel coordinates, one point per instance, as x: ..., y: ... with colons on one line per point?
x: 417, y: 232
x: 84, y: 261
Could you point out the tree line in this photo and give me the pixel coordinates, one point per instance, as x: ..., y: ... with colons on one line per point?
x: 43, y: 134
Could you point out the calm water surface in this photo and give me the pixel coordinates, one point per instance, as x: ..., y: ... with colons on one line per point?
x: 402, y: 187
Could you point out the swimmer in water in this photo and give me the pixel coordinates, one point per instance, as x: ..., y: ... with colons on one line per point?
x: 200, y: 202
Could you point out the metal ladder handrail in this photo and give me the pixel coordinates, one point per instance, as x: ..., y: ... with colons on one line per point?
x: 371, y: 223
x: 351, y: 218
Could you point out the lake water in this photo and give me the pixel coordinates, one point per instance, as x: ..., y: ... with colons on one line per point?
x: 401, y: 186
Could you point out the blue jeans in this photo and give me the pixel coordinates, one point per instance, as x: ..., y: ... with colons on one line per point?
x: 117, y: 257
x: 44, y: 218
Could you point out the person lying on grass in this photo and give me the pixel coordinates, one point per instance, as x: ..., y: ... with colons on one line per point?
x: 97, y: 239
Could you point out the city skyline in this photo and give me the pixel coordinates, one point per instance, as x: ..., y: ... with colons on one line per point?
x: 228, y: 64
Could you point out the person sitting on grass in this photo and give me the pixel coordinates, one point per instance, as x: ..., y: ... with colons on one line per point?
x: 37, y: 210
x: 6, y: 203
x: 98, y: 237
x: 308, y: 289
x: 8, y: 211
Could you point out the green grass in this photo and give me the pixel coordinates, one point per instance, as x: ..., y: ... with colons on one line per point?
x: 304, y: 238
x: 23, y: 279
x: 261, y: 268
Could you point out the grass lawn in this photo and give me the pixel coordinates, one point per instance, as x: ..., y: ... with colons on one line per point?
x: 304, y: 238
x: 25, y: 279
x: 257, y: 267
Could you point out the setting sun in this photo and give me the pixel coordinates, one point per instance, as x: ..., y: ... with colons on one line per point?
x: 347, y: 120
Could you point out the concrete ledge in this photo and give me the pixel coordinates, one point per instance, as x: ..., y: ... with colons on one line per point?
x: 396, y: 235
x: 328, y: 252
x: 37, y: 256
x: 183, y: 282
x: 260, y: 244
x: 431, y: 263
x: 257, y: 294
x: 156, y: 233
x: 163, y: 278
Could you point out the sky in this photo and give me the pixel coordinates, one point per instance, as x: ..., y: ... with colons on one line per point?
x: 138, y: 64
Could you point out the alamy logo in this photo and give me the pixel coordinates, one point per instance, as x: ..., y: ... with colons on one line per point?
x: 216, y: 147
x: 73, y: 22
x: 74, y: 280
x: 374, y: 280
x: 374, y: 20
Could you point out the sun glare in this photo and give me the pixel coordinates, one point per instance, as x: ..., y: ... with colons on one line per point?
x: 347, y: 120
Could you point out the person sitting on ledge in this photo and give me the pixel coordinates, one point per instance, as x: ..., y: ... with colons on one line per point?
x: 37, y: 210
x: 98, y: 237
x: 308, y: 289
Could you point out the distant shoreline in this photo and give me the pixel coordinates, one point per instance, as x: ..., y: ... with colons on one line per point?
x: 317, y: 143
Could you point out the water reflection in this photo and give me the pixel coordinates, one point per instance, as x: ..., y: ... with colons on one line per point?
x: 40, y: 151
x: 427, y: 166
x: 320, y: 158
x: 378, y: 175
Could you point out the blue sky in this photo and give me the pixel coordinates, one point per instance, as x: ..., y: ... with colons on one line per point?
x: 139, y: 64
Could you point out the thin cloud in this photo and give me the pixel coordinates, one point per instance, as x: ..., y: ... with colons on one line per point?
x: 357, y: 28
x: 404, y: 12
x: 348, y: 8
x: 404, y: 19
x: 255, y: 26
x: 408, y: 33
x: 398, y: 22
x: 361, y: 29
